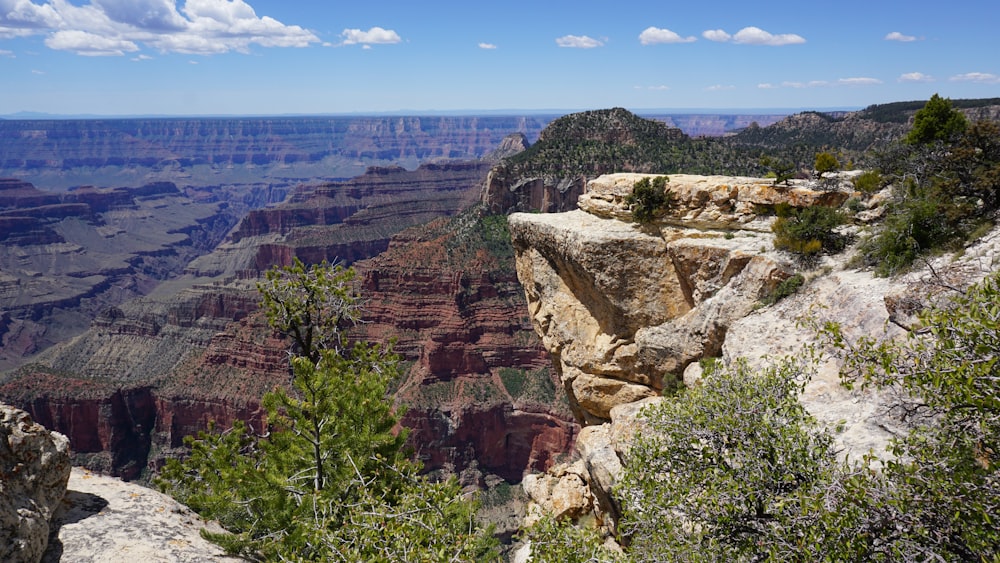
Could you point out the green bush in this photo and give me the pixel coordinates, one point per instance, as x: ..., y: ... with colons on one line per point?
x: 826, y: 162
x: 919, y: 223
x: 788, y: 286
x: 808, y: 231
x: 868, y: 182
x: 649, y: 199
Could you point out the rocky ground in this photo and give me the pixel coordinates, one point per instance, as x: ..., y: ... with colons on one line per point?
x: 104, y: 520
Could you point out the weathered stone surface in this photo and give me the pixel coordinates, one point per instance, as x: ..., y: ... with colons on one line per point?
x: 624, y: 309
x: 562, y: 492
x: 104, y: 520
x: 708, y: 201
x: 34, y: 469
x: 609, y: 330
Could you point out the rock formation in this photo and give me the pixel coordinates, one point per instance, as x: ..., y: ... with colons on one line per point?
x: 34, y: 469
x: 104, y: 520
x: 207, y: 151
x: 68, y: 256
x: 626, y: 311
x: 480, y: 396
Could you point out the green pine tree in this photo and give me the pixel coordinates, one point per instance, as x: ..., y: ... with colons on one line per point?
x: 327, y: 479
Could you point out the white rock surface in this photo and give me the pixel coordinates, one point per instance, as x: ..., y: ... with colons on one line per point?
x: 105, y: 520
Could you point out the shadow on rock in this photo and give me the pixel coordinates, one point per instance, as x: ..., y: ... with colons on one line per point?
x: 76, y: 506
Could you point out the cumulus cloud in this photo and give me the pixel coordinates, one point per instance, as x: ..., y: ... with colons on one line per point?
x: 753, y: 36
x: 654, y: 35
x: 757, y: 36
x: 716, y: 35
x: 897, y: 36
x: 117, y: 27
x: 89, y: 44
x: 578, y: 42
x: 766, y: 86
x: 981, y: 77
x: 374, y: 36
x: 488, y: 46
x: 915, y: 77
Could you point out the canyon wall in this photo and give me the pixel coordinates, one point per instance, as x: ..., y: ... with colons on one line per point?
x: 481, y: 401
x: 628, y: 310
x: 205, y: 151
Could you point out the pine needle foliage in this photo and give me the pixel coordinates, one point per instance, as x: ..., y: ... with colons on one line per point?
x: 328, y: 478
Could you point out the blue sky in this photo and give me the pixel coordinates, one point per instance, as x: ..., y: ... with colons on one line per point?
x: 194, y: 57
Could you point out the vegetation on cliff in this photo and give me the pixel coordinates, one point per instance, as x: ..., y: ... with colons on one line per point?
x: 734, y: 469
x: 328, y: 478
x: 597, y: 142
x: 946, y: 186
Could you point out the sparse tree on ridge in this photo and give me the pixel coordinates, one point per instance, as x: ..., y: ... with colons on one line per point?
x: 935, y: 122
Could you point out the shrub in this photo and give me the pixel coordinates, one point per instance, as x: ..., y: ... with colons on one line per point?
x: 788, y: 286
x: 826, y: 162
x: 808, y: 231
x: 649, y: 199
x: 717, y: 473
x: 868, y: 182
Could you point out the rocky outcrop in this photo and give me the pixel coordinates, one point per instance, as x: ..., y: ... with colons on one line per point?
x: 104, y: 520
x: 711, y: 202
x: 34, y: 469
x: 623, y: 309
x: 503, y: 193
x: 626, y: 311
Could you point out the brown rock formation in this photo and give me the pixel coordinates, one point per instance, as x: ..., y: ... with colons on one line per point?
x: 478, y: 391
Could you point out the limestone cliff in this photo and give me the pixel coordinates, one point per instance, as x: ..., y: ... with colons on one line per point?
x: 626, y: 311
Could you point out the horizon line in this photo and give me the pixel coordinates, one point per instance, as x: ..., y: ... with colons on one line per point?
x: 34, y: 115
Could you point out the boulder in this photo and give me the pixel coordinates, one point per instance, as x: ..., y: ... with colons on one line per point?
x: 34, y: 470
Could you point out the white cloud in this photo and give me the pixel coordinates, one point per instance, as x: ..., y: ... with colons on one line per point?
x: 897, y: 36
x: 374, y: 36
x: 719, y: 87
x: 142, y: 58
x: 578, y: 42
x: 858, y: 81
x: 6, y: 53
x: 654, y: 35
x: 39, y: 72
x: 116, y: 27
x: 855, y: 81
x: 488, y: 46
x: 915, y: 77
x: 89, y: 44
x: 716, y: 35
x: 757, y: 36
x: 981, y: 77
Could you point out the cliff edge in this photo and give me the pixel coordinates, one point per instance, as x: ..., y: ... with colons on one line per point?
x: 628, y: 311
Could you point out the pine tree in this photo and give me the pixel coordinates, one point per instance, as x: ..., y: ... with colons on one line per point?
x: 328, y: 474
